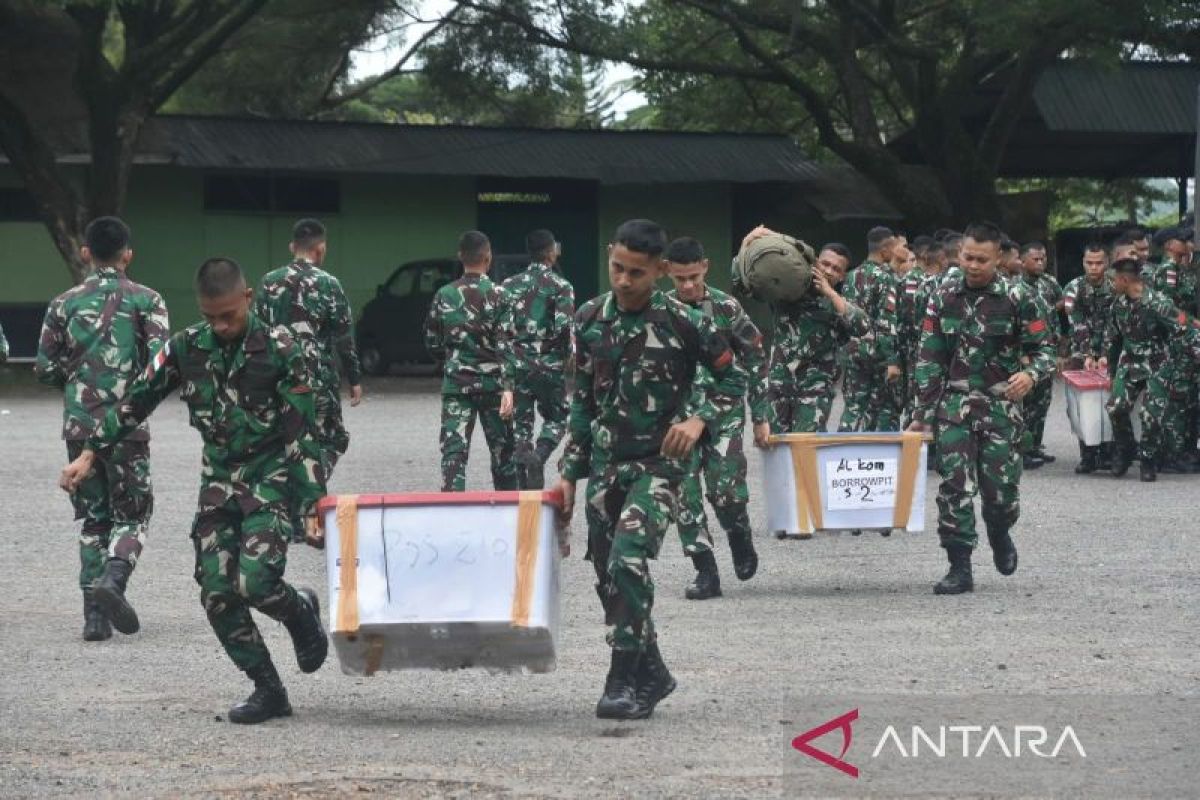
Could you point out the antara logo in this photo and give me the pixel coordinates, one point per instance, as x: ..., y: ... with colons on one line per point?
x: 1020, y: 740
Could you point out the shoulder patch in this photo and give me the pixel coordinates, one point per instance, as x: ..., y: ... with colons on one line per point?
x: 1037, y: 326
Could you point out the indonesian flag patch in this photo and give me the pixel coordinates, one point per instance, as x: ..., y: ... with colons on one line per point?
x: 1069, y: 302
x: 156, y: 363
x: 1037, y: 326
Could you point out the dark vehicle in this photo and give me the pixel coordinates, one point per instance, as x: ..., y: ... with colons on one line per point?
x: 390, y: 327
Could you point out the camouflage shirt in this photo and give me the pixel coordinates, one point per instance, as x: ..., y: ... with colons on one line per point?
x: 1088, y: 307
x: 465, y: 328
x: 311, y: 303
x: 972, y: 341
x: 1178, y: 284
x: 1142, y: 328
x: 639, y: 373
x: 1048, y: 291
x: 253, y: 405
x: 96, y: 339
x: 908, y: 315
x: 808, y: 334
x: 538, y: 311
x: 872, y: 287
x: 733, y: 323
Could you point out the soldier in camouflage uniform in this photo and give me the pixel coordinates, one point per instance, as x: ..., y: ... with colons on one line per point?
x: 874, y: 363
x: 1177, y: 280
x: 1088, y: 302
x: 249, y: 396
x: 721, y: 454
x: 1142, y: 326
x: 3, y: 346
x: 807, y: 336
x: 464, y: 329
x: 651, y: 374
x: 1046, y: 289
x: 984, y: 345
x: 311, y: 304
x: 96, y: 338
x: 912, y: 300
x: 538, y: 312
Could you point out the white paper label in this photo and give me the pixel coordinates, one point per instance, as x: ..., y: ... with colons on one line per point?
x: 859, y: 483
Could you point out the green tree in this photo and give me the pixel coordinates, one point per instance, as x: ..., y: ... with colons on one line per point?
x: 846, y: 75
x: 108, y: 65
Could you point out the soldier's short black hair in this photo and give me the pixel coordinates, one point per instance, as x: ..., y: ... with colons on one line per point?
x: 473, y: 246
x: 1126, y: 239
x: 921, y: 244
x: 942, y: 234
x: 1007, y: 245
x: 307, y: 233
x: 539, y: 244
x: 1034, y: 245
x: 1095, y: 246
x: 218, y: 277
x: 1127, y: 266
x: 641, y: 236
x: 877, y: 236
x: 106, y: 238
x: 836, y: 247
x: 685, y: 250
x: 952, y: 243
x: 983, y: 232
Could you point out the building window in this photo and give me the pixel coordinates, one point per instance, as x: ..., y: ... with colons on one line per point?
x: 312, y: 195
x: 265, y: 193
x: 237, y: 193
x: 16, y: 205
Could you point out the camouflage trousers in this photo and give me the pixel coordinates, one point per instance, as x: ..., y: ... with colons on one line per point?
x: 800, y: 403
x: 982, y: 460
x: 240, y: 560
x: 1127, y: 386
x: 1036, y: 406
x: 628, y: 512
x: 335, y: 439
x: 1179, y: 424
x: 547, y: 393
x: 459, y: 412
x: 872, y: 403
x: 721, y: 458
x: 115, y: 503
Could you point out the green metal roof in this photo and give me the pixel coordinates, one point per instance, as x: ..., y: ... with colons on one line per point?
x: 1138, y: 97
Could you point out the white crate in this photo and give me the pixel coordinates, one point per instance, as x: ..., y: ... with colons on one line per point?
x: 807, y: 476
x: 1087, y: 399
x: 443, y: 581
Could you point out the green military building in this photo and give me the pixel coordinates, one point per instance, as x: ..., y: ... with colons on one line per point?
x: 389, y: 194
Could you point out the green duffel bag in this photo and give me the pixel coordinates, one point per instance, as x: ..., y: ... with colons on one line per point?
x: 775, y: 268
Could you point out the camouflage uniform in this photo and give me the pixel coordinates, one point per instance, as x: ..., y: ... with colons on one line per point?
x: 254, y: 408
x: 1088, y: 307
x: 720, y: 452
x: 538, y: 311
x: 311, y: 303
x: 637, y: 374
x: 1037, y: 403
x: 871, y: 402
x: 1179, y: 285
x: 1143, y: 331
x: 464, y: 329
x: 972, y: 341
x: 804, y: 360
x: 96, y: 339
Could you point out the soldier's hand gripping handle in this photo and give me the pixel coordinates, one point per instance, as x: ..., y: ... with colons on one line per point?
x: 74, y: 473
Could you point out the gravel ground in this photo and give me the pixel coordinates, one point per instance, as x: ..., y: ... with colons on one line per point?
x: 1097, y: 630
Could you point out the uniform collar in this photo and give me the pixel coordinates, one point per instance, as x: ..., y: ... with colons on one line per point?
x: 472, y: 277
x: 106, y: 273
x: 657, y: 305
x: 303, y: 263
x: 253, y: 341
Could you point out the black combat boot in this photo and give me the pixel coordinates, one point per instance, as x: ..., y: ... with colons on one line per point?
x: 654, y: 682
x: 268, y: 700
x: 1105, y: 458
x: 958, y: 579
x: 1122, y: 459
x: 620, y: 698
x: 1149, y: 470
x: 308, y: 636
x: 1004, y: 552
x: 95, y: 624
x: 736, y: 522
x: 1041, y: 453
x: 1089, y: 460
x: 1032, y: 461
x: 530, y: 474
x: 109, y: 594
x: 707, y: 583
